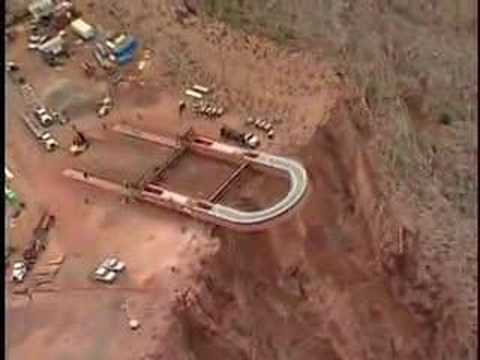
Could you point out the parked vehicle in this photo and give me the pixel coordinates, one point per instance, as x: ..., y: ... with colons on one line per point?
x: 109, y: 269
x: 103, y: 62
x: 79, y: 144
x: 105, y: 106
x: 113, y: 264
x: 249, y: 139
x: 103, y: 111
x: 19, y: 271
x: 43, y: 116
x: 12, y: 66
x: 50, y: 143
x: 32, y: 46
x: 34, y: 39
x: 104, y: 275
x: 59, y: 117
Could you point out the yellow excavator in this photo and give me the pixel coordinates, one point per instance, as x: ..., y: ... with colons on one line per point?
x: 80, y: 142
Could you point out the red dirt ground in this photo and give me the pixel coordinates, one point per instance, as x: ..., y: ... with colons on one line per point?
x: 336, y: 281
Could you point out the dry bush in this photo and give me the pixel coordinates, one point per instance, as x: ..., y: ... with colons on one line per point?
x: 389, y: 49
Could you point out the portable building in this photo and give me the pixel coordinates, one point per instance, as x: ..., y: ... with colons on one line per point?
x: 82, y: 29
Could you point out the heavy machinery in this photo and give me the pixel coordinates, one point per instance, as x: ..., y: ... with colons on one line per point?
x: 246, y: 139
x: 12, y: 66
x: 43, y: 115
x: 39, y: 240
x: 79, y: 144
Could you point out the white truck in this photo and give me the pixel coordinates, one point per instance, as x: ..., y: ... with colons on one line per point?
x: 109, y: 269
x: 104, y: 275
x: 113, y: 264
x: 19, y: 271
x: 42, y: 114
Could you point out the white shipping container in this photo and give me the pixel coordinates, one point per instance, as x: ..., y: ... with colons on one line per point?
x: 193, y: 94
x: 201, y: 89
x: 82, y: 29
x: 8, y: 173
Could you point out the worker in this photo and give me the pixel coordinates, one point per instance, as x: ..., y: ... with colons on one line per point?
x: 181, y: 107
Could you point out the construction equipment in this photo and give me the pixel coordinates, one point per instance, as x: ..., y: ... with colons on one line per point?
x: 12, y: 66
x: 109, y: 269
x: 39, y: 240
x: 205, y: 108
x: 79, y: 144
x: 246, y: 139
x: 19, y: 271
x: 60, y: 117
x: 104, y: 107
x: 8, y: 174
x: 42, y: 114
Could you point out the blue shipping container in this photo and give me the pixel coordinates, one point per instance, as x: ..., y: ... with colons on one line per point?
x: 127, y: 52
x: 125, y: 58
x: 129, y: 45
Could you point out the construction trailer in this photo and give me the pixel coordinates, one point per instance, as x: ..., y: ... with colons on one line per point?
x: 83, y: 29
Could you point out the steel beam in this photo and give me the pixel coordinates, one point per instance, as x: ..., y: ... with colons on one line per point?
x: 220, y: 191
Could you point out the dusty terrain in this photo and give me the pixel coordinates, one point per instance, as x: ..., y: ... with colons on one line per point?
x: 380, y: 261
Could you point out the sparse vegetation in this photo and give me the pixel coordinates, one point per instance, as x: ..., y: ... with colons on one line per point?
x: 414, y: 65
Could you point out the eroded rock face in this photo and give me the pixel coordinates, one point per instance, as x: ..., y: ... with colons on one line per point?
x: 339, y: 280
